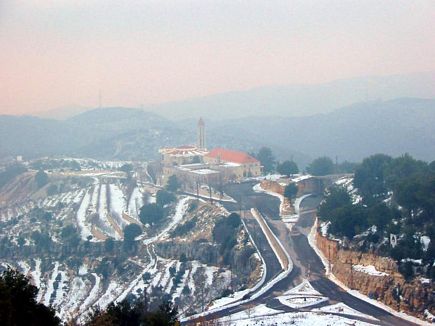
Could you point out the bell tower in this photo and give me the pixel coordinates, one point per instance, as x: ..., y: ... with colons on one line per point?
x: 201, y: 134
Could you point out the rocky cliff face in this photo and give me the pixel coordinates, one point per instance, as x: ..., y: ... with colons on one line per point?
x: 383, y: 283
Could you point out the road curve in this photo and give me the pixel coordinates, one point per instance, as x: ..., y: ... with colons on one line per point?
x: 307, y: 265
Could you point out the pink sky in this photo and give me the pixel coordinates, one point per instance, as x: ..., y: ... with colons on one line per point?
x: 61, y: 53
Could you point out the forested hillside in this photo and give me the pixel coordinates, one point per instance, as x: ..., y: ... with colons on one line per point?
x: 399, y: 126
x: 388, y: 197
x: 103, y: 133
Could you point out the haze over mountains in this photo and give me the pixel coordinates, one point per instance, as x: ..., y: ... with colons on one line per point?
x: 287, y: 100
x: 296, y: 121
x: 393, y: 127
x: 301, y: 100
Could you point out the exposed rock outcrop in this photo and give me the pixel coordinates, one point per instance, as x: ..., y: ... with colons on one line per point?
x: 386, y: 284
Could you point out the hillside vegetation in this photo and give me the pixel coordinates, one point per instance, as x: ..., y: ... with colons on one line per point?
x: 401, y: 125
x: 389, y: 197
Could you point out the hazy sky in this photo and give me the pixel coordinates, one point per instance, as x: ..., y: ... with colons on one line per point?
x: 61, y: 53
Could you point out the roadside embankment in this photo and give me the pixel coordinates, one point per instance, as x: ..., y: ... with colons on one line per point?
x: 376, y: 277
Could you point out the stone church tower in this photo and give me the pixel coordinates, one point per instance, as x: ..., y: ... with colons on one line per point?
x: 201, y: 134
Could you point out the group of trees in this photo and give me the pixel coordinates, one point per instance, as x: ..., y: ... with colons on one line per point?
x: 10, y: 173
x: 290, y: 191
x: 225, y: 235
x: 349, y: 219
x: 164, y: 197
x: 18, y: 306
x: 55, y: 164
x: 270, y: 164
x: 154, y: 212
x: 320, y: 166
x: 324, y: 166
x: 398, y: 197
x: 131, y: 232
x: 135, y: 312
x: 151, y: 213
x: 266, y: 158
x: 173, y: 184
x: 287, y: 168
x: 41, y: 178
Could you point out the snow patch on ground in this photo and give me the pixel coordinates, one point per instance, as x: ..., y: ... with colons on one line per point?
x: 180, y: 210
x: 191, y: 283
x: 347, y: 182
x: 81, y: 217
x: 24, y: 267
x: 61, y: 292
x: 424, y: 280
x: 76, y: 295
x: 301, y: 296
x: 50, y: 288
x: 297, y: 302
x: 36, y: 276
x: 341, y: 308
x: 370, y: 269
x: 304, y: 288
x: 324, y: 226
x: 425, y: 241
x: 112, y: 292
x: 135, y: 203
x: 93, y: 295
x: 117, y: 204
x: 83, y: 270
x: 209, y: 274
x: 262, y: 315
x: 103, y: 212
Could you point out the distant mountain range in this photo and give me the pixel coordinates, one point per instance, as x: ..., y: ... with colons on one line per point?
x: 301, y: 100
x: 118, y: 133
x: 351, y: 133
x: 288, y: 100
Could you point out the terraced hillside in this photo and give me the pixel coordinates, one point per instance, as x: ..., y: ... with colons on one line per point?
x: 70, y: 242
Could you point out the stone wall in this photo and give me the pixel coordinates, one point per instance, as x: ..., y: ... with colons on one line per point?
x: 286, y: 207
x: 413, y: 297
x: 327, y: 246
x: 272, y: 186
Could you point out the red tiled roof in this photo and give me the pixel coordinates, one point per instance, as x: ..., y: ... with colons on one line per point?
x: 232, y: 156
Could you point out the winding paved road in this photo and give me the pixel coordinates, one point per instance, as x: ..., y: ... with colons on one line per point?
x: 307, y: 265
